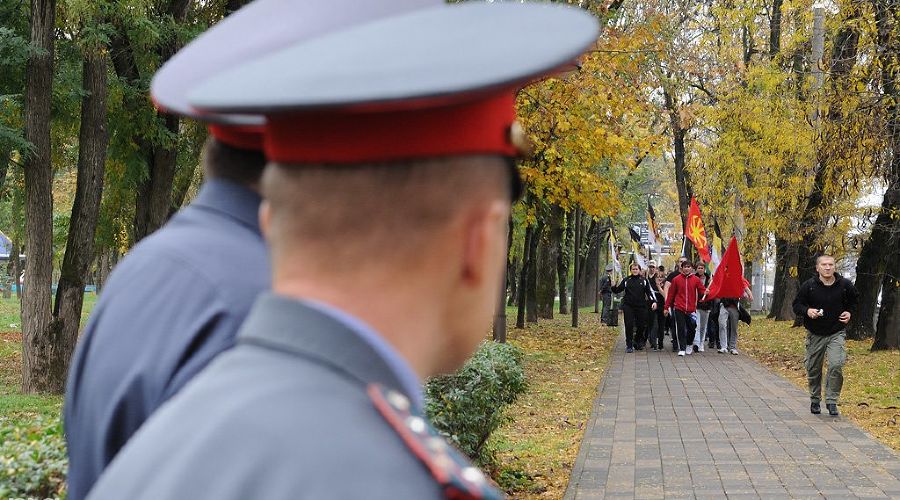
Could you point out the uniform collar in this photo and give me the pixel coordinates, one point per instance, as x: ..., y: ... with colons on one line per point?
x: 315, y: 332
x: 231, y: 200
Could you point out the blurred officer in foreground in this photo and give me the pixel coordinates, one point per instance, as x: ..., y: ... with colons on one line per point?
x: 387, y: 198
x: 178, y: 298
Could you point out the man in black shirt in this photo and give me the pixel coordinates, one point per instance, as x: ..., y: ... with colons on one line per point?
x: 826, y: 303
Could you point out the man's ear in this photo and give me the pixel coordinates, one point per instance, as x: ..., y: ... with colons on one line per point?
x: 484, y: 238
x: 265, y: 218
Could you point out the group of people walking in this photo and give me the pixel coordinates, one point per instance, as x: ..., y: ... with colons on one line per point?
x: 656, y: 304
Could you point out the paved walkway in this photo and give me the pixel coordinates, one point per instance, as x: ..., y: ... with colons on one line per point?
x: 716, y: 425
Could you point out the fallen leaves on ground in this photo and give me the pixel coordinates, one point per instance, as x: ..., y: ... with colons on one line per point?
x: 536, y: 448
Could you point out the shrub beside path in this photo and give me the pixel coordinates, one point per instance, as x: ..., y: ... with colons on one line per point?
x: 716, y: 425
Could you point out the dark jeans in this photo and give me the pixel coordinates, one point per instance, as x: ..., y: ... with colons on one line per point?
x: 657, y: 328
x: 635, y: 318
x: 684, y: 329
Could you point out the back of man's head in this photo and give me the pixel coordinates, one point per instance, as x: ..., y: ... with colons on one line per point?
x: 241, y: 166
x: 350, y: 218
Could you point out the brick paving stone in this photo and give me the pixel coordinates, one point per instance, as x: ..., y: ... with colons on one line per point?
x: 661, y: 428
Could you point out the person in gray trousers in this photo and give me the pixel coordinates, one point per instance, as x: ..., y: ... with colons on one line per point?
x: 728, y: 322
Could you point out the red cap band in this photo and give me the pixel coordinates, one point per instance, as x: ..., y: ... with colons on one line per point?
x: 239, y: 136
x: 473, y: 127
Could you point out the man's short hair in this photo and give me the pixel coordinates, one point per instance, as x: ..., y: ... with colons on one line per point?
x: 686, y: 263
x: 351, y: 215
x: 823, y: 256
x: 242, y: 166
x: 699, y: 265
x: 661, y: 268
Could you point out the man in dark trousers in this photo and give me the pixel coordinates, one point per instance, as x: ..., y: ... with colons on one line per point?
x: 638, y: 297
x: 606, y: 294
x: 684, y: 293
x: 826, y: 303
x: 177, y: 299
x: 389, y: 183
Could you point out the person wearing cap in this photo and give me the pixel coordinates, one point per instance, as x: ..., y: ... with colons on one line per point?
x: 387, y: 196
x: 171, y: 305
x: 177, y: 299
x: 606, y: 294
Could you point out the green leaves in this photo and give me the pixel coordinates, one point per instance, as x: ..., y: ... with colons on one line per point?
x: 468, y: 405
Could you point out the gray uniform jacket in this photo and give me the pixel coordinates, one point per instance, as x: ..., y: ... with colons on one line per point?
x: 175, y: 302
x: 283, y: 415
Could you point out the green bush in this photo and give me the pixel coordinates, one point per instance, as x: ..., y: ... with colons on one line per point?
x: 32, y: 459
x: 468, y: 406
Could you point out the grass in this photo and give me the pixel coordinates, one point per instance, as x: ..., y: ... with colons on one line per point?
x: 871, y: 393
x: 536, y: 448
x: 15, y: 406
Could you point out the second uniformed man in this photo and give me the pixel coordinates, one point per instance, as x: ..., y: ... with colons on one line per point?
x: 387, y: 198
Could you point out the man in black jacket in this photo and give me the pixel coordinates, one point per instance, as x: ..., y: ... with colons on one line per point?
x: 634, y: 304
x: 826, y: 303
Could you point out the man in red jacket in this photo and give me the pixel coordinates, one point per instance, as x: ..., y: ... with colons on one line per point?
x: 684, y: 292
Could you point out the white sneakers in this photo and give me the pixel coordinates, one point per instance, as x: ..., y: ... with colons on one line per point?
x: 734, y: 351
x: 723, y: 351
x: 690, y: 350
x: 701, y: 347
x: 681, y: 353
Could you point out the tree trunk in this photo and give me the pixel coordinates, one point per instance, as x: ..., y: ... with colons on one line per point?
x: 511, y: 270
x: 887, y: 227
x: 887, y: 334
x: 548, y: 260
x: 587, y: 270
x: 682, y: 179
x: 775, y: 29
x: 871, y: 265
x: 576, y: 295
x: 180, y: 186
x: 531, y: 299
x: 598, y: 233
x: 153, y: 196
x: 16, y: 268
x: 92, y: 142
x: 562, y: 265
x: 500, y: 317
x: 523, y: 276
x: 786, y: 284
x: 40, y: 354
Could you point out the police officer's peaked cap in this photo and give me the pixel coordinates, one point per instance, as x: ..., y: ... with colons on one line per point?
x: 263, y: 26
x: 423, y: 83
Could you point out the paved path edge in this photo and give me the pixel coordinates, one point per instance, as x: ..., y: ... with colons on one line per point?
x: 578, y: 467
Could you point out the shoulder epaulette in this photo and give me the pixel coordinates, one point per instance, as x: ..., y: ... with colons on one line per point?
x: 459, y: 478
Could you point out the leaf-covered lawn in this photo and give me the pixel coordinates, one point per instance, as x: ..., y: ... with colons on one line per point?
x: 871, y: 392
x: 537, y: 447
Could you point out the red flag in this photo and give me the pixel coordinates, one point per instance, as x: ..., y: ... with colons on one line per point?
x: 696, y: 233
x: 728, y: 280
